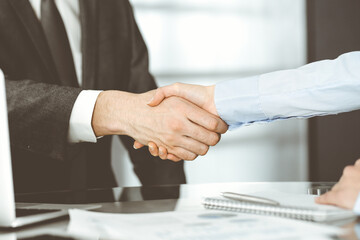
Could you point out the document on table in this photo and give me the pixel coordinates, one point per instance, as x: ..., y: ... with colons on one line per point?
x: 192, y: 225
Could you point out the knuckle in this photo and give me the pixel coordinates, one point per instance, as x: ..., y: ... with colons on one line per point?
x: 175, y: 85
x: 213, y: 124
x: 214, y: 139
x: 176, y: 125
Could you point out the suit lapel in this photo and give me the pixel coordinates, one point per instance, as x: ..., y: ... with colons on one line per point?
x: 89, y: 26
x: 32, y: 25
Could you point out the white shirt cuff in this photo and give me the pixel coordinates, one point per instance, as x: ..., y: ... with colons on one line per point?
x: 356, y: 208
x: 238, y: 102
x: 80, y: 128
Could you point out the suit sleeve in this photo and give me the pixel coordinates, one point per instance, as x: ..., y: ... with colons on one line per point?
x: 39, y: 116
x: 150, y: 170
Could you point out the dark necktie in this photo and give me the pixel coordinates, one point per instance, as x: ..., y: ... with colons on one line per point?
x: 58, y: 42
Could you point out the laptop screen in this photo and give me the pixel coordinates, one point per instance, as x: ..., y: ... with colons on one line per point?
x: 7, y: 204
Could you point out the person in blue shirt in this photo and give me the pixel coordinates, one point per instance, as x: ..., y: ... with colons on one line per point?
x: 316, y: 89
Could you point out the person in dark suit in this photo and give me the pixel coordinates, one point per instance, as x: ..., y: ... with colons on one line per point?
x: 46, y: 79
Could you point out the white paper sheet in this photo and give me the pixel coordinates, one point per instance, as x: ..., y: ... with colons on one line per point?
x: 192, y: 225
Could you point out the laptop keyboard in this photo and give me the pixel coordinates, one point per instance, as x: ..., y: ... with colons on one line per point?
x: 22, y: 212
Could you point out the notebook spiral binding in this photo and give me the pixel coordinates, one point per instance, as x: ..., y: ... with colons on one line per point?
x: 306, y: 214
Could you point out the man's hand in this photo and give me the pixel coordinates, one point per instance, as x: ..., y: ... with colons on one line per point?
x: 346, y: 191
x: 202, y: 96
x: 183, y: 128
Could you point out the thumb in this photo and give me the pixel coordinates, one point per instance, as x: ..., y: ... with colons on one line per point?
x: 162, y: 93
x: 157, y: 98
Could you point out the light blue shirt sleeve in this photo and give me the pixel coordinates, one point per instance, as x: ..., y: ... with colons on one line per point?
x: 320, y: 88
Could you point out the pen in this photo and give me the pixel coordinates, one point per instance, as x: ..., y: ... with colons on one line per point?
x: 248, y: 198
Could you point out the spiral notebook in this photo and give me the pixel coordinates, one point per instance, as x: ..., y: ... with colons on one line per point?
x: 297, y: 206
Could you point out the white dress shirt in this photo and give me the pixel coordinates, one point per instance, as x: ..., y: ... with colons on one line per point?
x: 320, y: 88
x: 80, y: 128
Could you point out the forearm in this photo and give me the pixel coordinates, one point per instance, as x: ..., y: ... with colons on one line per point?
x: 320, y: 88
x: 112, y: 113
x: 39, y: 116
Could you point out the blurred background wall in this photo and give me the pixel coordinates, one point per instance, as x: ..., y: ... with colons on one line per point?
x: 207, y: 41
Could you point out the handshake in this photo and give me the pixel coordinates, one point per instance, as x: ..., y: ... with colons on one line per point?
x: 205, y: 134
x: 177, y: 122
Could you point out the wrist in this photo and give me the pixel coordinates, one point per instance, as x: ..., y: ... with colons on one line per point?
x: 108, y: 117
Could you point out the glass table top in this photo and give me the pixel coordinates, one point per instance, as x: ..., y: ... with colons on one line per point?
x: 151, y: 199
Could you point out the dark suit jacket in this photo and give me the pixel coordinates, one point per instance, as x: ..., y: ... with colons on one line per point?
x: 40, y: 104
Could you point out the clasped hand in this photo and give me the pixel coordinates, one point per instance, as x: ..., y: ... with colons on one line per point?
x: 202, y: 97
x: 182, y: 128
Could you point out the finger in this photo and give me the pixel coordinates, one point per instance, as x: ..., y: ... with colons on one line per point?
x: 202, y: 135
x: 193, y: 146
x: 206, y: 120
x: 163, y: 153
x: 183, y: 154
x: 138, y: 145
x: 162, y: 93
x: 173, y: 158
x: 153, y: 149
x: 157, y: 98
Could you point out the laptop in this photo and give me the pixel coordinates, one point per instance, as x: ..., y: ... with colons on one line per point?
x: 10, y: 216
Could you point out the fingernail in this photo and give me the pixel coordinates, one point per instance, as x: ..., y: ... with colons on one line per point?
x: 161, y: 152
x: 150, y: 100
x: 151, y: 147
x: 134, y: 146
